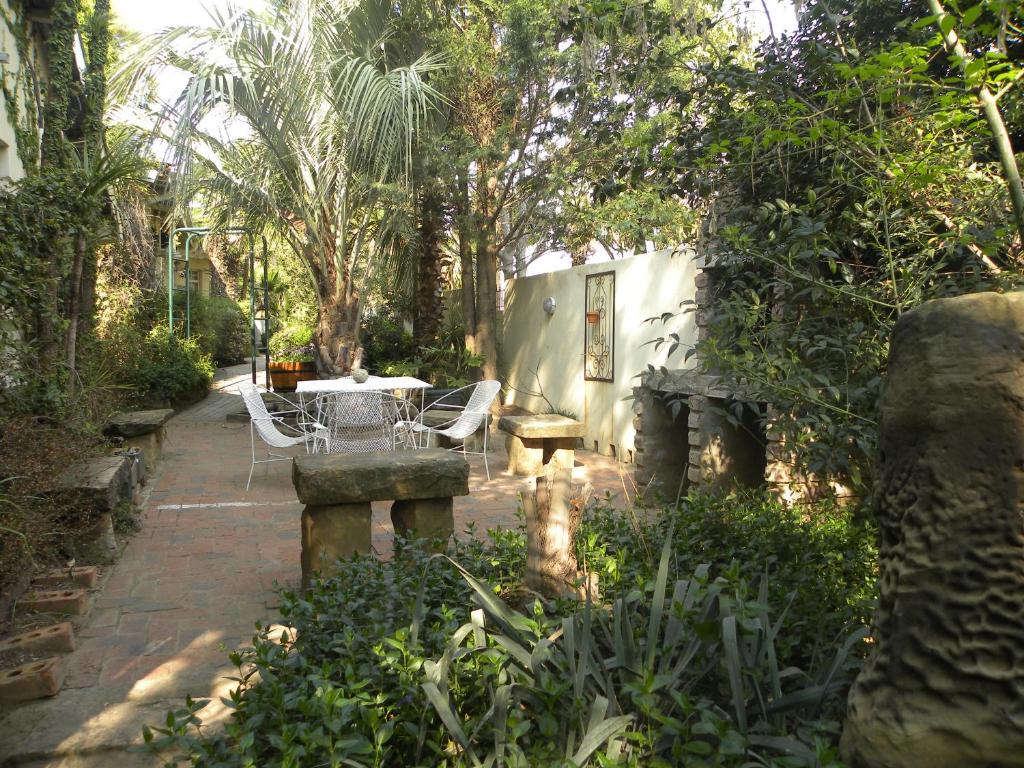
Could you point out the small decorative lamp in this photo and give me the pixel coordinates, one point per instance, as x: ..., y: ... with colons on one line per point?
x: 550, y: 304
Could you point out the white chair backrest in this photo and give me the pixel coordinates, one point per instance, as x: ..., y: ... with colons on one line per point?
x: 261, y: 418
x: 352, y: 408
x: 362, y: 421
x: 476, y: 409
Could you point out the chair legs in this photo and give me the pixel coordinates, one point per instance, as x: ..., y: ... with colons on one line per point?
x: 252, y: 444
x: 487, y: 469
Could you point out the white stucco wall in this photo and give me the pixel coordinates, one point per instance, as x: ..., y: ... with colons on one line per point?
x: 645, y: 285
x: 11, y: 168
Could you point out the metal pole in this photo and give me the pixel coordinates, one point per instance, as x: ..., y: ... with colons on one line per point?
x: 266, y: 314
x: 252, y: 306
x: 188, y: 289
x: 170, y: 282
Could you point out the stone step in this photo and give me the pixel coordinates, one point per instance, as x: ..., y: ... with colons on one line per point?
x: 33, y: 680
x: 83, y: 576
x: 58, y: 638
x: 71, y: 601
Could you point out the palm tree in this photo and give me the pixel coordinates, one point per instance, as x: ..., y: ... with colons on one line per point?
x: 299, y: 118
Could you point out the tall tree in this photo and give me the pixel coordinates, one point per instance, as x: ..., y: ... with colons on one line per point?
x: 322, y: 108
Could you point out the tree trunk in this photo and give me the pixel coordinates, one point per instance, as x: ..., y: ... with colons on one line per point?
x: 338, y: 331
x: 428, y: 279
x: 552, y: 519
x: 74, y: 310
x: 487, y: 298
x: 466, y: 264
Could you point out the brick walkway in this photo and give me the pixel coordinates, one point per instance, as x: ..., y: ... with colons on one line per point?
x: 192, y: 582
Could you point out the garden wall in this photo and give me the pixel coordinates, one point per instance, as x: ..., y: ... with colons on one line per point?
x: 645, y: 286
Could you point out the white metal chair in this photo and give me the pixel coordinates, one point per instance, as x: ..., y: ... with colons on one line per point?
x: 466, y: 419
x: 364, y: 421
x: 268, y: 425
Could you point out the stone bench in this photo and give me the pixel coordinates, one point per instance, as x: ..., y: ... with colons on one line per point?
x: 337, y: 489
x: 536, y: 441
x: 141, y: 429
x: 95, y: 486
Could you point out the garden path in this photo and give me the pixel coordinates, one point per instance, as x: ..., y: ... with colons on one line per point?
x: 192, y: 582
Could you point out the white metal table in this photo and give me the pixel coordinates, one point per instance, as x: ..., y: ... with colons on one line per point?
x: 348, y: 384
x: 324, y: 387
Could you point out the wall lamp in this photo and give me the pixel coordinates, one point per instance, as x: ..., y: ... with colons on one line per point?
x: 550, y: 305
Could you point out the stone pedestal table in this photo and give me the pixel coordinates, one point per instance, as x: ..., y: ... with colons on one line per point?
x: 537, y: 441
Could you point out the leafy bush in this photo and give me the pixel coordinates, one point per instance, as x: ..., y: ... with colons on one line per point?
x: 293, y: 343
x: 222, y: 330
x: 385, y: 340
x: 165, y: 369
x: 820, y: 560
x: 416, y: 662
x: 441, y: 366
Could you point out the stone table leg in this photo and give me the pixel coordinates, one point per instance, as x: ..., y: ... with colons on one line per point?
x: 525, y: 455
x: 331, y: 532
x: 430, y: 519
x: 560, y: 452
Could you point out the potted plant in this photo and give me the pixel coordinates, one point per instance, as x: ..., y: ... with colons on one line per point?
x: 291, y: 357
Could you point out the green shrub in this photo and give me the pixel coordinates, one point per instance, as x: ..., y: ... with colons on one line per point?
x: 166, y: 369
x: 225, y: 334
x: 819, y: 559
x: 413, y: 662
x: 385, y: 340
x: 293, y: 343
x: 217, y: 323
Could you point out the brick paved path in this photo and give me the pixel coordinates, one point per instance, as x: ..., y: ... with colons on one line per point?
x: 197, y: 576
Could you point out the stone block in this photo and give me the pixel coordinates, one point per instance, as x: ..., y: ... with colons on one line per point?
x: 143, y: 430
x: 702, y: 280
x: 97, y: 542
x: 151, y: 446
x: 99, y: 483
x: 58, y: 638
x: 330, y: 532
x: 543, y: 425
x: 135, y: 423
x: 34, y: 680
x: 527, y: 457
x: 81, y: 575
x: 71, y: 601
x: 430, y: 519
x: 944, y: 683
x: 350, y: 478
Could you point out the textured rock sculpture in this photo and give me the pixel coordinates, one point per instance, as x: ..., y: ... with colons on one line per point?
x: 944, y: 685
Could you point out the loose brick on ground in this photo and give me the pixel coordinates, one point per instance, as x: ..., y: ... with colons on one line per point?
x: 56, y: 638
x: 34, y: 680
x: 71, y: 601
x: 83, y: 576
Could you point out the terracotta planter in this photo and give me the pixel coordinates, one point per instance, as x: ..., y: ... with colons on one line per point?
x: 593, y: 318
x: 285, y: 376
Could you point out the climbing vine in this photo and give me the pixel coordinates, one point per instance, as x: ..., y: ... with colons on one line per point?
x: 64, y: 18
